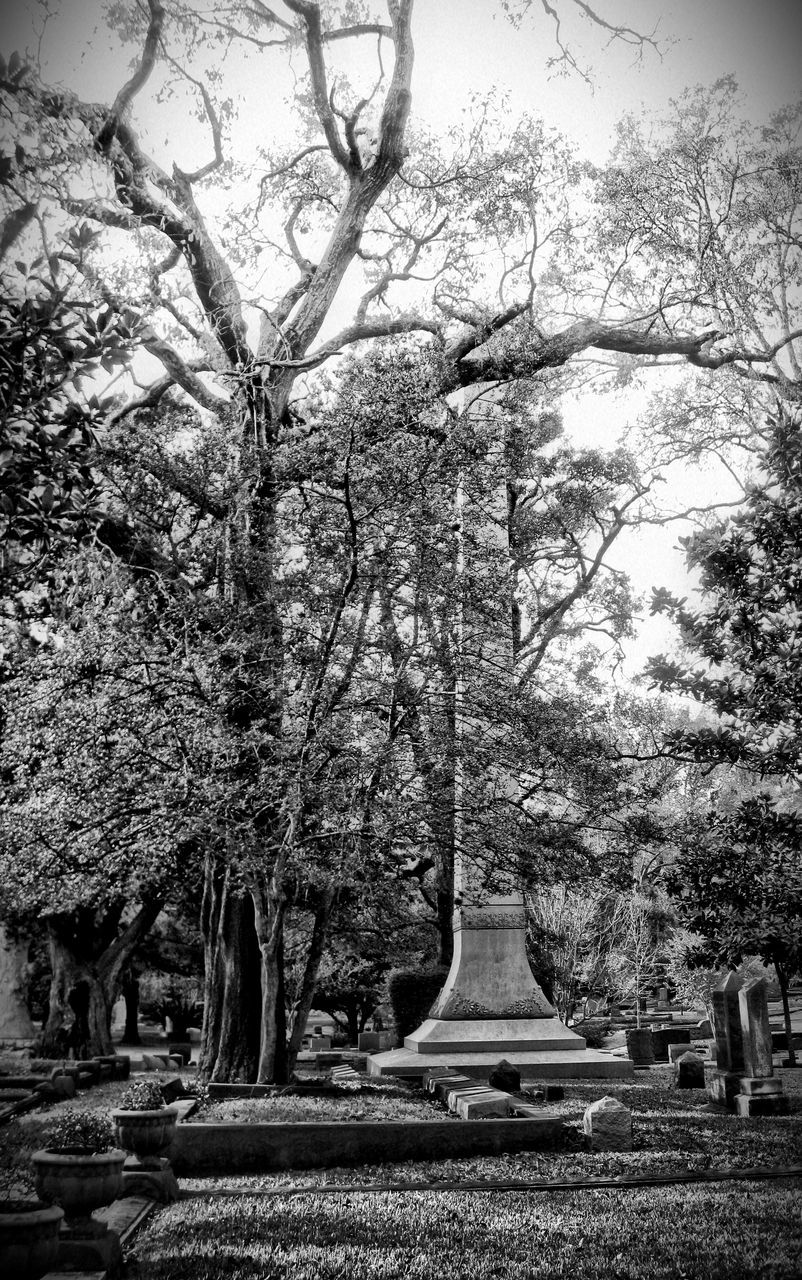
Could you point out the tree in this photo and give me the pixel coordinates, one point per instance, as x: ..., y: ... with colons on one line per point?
x: 354, y: 194
x: 739, y: 887
x: 101, y: 805
x: 744, y: 651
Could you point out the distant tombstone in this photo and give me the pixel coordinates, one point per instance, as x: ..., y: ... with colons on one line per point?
x: 703, y: 1030
x: 506, y: 1077
x: 664, y: 1036
x: 15, y: 1020
x: 639, y: 1046
x: 689, y: 1071
x: 607, y: 1125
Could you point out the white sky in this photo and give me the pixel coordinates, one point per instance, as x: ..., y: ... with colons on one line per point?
x: 466, y: 46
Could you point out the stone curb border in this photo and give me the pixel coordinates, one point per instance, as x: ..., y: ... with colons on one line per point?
x: 235, y: 1148
x: 578, y: 1183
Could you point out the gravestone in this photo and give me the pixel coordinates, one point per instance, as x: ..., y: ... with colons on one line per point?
x: 639, y: 1046
x: 607, y: 1125
x: 16, y: 1028
x: 689, y: 1071
x: 505, y: 1077
x: 724, y: 1084
x: 761, y: 1092
x: 662, y: 1037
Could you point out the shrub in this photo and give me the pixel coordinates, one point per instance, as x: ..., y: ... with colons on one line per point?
x: 411, y: 995
x: 73, y: 1128
x: 146, y: 1095
x: 595, y: 1031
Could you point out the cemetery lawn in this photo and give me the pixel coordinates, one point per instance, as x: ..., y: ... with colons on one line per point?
x: 720, y: 1231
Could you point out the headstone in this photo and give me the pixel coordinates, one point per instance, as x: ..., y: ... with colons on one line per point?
x: 703, y: 1030
x: 639, y: 1046
x: 553, y: 1093
x: 689, y: 1071
x: 668, y: 1035
x: 506, y: 1077
x: 320, y: 1043
x: 16, y: 1027
x: 724, y: 1085
x: 727, y: 1024
x: 761, y: 1093
x: 608, y: 1126
x: 755, y: 1030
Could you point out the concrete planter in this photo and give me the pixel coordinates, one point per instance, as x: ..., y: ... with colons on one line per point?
x: 147, y: 1134
x: 78, y: 1179
x: 28, y: 1238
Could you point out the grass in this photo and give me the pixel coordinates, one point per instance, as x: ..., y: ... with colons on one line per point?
x: 700, y: 1233
x: 719, y: 1231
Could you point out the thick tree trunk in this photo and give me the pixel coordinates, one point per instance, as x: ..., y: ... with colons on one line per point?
x: 74, y: 992
x: 87, y: 955
x: 231, y: 1008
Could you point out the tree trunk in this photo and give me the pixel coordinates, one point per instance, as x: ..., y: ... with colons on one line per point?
x: 306, y: 995
x: 270, y: 912
x: 130, y: 992
x: 78, y: 1018
x: 87, y: 955
x: 782, y: 979
x: 231, y: 1006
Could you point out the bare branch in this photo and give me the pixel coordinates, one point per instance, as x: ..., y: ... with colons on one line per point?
x: 309, y: 13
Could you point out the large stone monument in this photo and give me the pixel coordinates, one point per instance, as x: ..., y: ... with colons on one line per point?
x: 490, y: 1007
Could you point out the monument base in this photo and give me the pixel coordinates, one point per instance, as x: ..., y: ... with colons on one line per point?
x: 493, y: 1035
x: 533, y: 1064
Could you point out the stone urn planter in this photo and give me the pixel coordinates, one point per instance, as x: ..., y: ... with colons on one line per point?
x: 145, y: 1127
x: 81, y: 1170
x: 28, y: 1238
x: 79, y: 1179
x: 146, y: 1134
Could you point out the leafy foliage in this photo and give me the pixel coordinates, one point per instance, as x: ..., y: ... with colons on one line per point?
x: 92, y: 1130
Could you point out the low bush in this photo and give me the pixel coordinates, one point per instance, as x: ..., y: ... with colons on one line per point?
x: 411, y: 994
x: 595, y: 1031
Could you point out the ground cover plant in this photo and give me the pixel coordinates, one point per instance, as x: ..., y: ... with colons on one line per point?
x: 369, y: 1102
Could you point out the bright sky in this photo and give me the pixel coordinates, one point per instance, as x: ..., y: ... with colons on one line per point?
x: 467, y: 46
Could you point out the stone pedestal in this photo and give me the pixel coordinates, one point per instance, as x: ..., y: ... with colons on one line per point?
x: 771, y: 1104
x: 90, y: 1246
x: 723, y: 1087
x: 152, y: 1178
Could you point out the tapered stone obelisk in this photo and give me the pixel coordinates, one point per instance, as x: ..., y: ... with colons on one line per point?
x: 490, y: 1007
